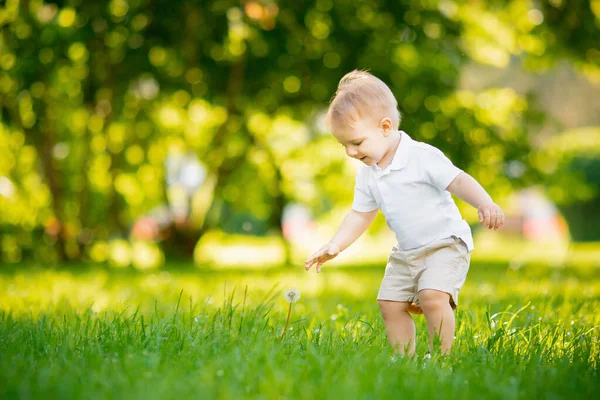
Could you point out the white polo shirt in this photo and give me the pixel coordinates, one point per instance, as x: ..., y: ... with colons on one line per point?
x: 411, y: 193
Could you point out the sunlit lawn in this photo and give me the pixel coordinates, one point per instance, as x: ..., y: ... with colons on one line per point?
x: 95, y: 333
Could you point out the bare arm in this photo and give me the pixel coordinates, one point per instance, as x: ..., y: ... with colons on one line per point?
x: 354, y: 224
x: 468, y: 189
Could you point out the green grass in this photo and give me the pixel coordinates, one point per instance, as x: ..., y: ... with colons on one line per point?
x: 96, y: 333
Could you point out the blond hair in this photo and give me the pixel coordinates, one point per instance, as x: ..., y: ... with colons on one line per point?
x: 362, y: 95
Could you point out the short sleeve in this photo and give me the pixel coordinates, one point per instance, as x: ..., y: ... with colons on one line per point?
x: 363, y: 199
x: 439, y: 170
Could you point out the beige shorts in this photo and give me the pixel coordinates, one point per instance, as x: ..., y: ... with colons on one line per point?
x: 441, y: 265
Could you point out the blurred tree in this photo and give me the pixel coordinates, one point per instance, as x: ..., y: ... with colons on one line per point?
x: 94, y: 94
x: 573, y: 162
x: 579, y: 213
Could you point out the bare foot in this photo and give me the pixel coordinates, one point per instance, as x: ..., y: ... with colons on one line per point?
x: 415, y: 309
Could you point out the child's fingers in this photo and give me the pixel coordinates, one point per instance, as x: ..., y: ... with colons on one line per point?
x: 307, y: 265
x: 319, y: 265
x: 500, y: 222
x: 310, y: 262
x: 496, y: 218
x: 312, y: 259
x: 318, y: 261
x: 319, y: 258
x: 493, y: 219
x: 486, y: 217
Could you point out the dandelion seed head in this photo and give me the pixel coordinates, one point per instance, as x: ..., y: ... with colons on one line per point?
x: 292, y: 295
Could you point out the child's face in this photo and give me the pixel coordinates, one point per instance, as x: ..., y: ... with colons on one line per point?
x: 367, y: 141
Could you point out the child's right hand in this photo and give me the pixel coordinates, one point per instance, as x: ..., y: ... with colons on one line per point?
x: 324, y: 254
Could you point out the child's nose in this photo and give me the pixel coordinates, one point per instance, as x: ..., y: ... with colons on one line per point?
x: 351, y: 151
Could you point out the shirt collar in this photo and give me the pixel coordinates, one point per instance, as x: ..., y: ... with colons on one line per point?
x: 401, y: 156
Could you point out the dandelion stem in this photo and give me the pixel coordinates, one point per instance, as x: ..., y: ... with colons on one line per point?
x: 286, y: 323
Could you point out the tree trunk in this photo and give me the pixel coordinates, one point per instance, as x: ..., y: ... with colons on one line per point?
x: 44, y: 145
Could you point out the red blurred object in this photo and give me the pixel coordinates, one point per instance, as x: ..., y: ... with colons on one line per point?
x: 297, y: 224
x: 145, y: 228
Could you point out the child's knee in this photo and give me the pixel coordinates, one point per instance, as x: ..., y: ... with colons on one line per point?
x: 389, y: 309
x: 430, y: 299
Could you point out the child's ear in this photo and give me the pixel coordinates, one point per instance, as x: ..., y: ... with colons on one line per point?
x: 386, y: 126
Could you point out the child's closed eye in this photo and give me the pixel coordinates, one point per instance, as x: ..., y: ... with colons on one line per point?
x: 353, y: 144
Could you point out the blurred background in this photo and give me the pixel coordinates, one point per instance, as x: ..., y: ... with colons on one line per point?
x: 144, y: 134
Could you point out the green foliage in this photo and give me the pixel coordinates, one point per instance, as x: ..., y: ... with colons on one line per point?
x: 571, y: 160
x: 94, y: 95
x: 579, y: 214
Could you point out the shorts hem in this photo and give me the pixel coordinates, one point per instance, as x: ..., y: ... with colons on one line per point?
x: 397, y: 297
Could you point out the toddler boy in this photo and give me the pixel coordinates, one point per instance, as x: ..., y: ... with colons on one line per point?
x: 411, y: 182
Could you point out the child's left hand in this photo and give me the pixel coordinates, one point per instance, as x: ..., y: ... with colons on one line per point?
x: 491, y: 215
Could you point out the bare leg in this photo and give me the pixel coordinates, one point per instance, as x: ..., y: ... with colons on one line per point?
x: 399, y: 326
x: 439, y: 316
